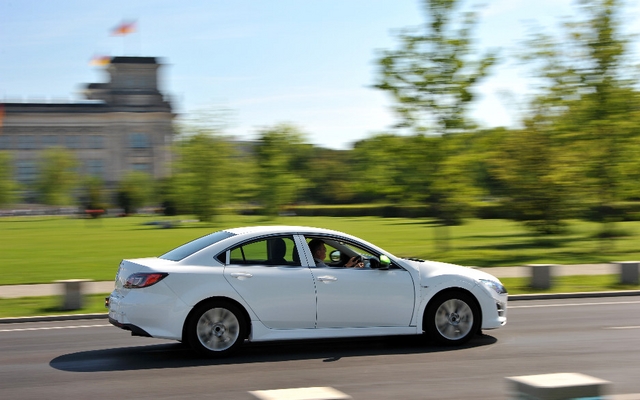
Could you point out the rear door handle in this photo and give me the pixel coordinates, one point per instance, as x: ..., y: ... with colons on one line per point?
x: 327, y: 278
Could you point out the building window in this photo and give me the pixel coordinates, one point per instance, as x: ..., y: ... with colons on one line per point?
x: 138, y: 141
x: 26, y: 142
x: 49, y: 141
x: 5, y: 142
x: 26, y: 171
x: 73, y: 141
x: 95, y: 168
x: 95, y: 142
x: 141, y: 167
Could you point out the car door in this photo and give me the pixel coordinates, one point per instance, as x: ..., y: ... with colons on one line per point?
x: 363, y: 298
x: 359, y: 298
x: 280, y: 291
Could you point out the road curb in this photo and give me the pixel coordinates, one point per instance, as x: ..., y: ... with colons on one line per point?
x: 579, y: 295
x: 516, y: 297
x: 47, y: 318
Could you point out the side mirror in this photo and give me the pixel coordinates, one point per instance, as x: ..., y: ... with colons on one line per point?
x: 379, y: 263
x: 335, y: 256
x: 385, y: 262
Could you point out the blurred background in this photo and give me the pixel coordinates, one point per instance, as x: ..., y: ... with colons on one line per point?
x: 440, y: 109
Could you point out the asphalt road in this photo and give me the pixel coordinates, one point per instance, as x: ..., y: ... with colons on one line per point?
x: 90, y: 359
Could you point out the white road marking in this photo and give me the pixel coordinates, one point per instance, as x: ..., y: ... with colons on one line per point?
x: 623, y: 327
x: 575, y: 304
x: 310, y: 393
x: 49, y: 328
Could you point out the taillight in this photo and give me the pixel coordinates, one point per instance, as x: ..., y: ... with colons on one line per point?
x: 143, y: 279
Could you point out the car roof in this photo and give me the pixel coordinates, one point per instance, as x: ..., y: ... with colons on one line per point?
x: 269, y: 229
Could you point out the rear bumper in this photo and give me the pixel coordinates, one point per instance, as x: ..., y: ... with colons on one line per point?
x: 135, y: 330
x: 154, y: 311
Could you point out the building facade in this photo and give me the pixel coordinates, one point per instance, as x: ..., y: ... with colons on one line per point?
x: 125, y: 124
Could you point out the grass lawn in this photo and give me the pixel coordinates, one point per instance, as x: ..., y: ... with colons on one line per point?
x: 48, y: 305
x: 45, y: 249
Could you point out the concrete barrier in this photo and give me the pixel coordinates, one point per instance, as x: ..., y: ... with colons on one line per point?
x: 541, y: 275
x: 72, y: 291
x: 628, y: 272
x: 557, y: 387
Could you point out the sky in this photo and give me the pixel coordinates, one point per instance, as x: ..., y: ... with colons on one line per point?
x: 310, y: 63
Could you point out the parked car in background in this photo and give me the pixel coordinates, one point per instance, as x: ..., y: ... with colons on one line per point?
x: 262, y: 283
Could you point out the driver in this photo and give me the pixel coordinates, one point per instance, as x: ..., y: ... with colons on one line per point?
x: 319, y: 252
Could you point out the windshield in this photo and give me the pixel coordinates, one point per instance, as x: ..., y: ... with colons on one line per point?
x: 193, y: 246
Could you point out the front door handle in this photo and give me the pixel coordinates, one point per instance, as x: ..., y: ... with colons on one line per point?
x: 327, y: 278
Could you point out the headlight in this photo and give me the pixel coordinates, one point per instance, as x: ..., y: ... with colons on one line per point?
x: 497, y: 286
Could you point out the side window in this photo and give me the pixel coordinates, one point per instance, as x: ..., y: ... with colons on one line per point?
x: 268, y: 251
x: 369, y: 257
x: 338, y: 253
x: 358, y: 250
x: 330, y: 253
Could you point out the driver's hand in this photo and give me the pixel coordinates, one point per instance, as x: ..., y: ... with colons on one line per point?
x: 352, y: 263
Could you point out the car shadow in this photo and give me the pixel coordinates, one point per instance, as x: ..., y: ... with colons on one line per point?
x: 176, y: 355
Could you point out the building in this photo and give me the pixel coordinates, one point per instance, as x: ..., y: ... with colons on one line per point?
x: 125, y: 124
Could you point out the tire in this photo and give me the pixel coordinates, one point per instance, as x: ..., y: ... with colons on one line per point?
x: 452, y: 318
x: 216, y: 329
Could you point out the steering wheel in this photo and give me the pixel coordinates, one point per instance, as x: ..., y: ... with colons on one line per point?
x: 360, y: 259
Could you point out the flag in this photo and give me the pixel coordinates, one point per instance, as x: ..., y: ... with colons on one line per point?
x: 100, y: 60
x: 125, y: 28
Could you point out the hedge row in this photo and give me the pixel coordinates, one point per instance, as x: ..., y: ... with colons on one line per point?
x: 629, y: 211
x: 365, y: 210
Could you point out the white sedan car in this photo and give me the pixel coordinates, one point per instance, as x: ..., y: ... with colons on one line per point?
x: 262, y: 283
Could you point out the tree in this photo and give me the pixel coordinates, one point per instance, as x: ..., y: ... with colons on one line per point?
x: 432, y: 75
x: 328, y: 176
x: 587, y: 97
x: 204, y: 174
x: 431, y: 78
x: 279, y: 181
x: 531, y: 167
x: 169, y: 196
x: 387, y: 166
x: 8, y: 187
x: 484, y: 145
x: 93, y: 194
x: 57, y: 177
x: 209, y: 169
x: 135, y: 190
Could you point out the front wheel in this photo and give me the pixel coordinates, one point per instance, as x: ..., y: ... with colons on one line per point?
x: 216, y: 329
x: 452, y: 318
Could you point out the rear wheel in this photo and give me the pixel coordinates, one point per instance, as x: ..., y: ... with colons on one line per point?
x: 216, y: 329
x: 452, y: 318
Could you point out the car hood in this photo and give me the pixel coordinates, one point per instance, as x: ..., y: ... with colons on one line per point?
x: 429, y: 269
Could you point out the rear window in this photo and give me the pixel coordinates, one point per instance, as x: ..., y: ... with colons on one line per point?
x: 193, y: 246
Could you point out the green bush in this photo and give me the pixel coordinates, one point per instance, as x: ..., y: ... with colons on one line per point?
x: 627, y: 211
x: 364, y: 210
